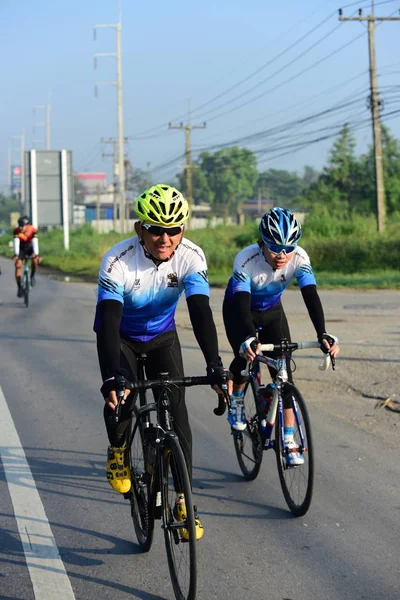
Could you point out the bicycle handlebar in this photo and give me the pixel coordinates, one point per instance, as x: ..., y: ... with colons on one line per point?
x: 285, y: 346
x: 165, y: 380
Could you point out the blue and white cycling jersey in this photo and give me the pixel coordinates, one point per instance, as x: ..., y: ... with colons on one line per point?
x: 149, y: 293
x: 253, y: 274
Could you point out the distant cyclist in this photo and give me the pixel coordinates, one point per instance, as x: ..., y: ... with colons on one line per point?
x: 140, y: 282
x: 26, y: 243
x: 261, y: 273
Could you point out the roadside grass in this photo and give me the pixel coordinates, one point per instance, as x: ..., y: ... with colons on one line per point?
x: 352, y: 260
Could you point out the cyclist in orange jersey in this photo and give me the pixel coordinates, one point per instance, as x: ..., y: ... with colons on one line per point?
x: 26, y: 243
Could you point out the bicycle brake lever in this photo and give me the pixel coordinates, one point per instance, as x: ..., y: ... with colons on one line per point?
x: 221, y: 408
x: 120, y: 396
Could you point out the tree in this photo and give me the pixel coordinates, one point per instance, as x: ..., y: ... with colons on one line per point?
x: 79, y: 191
x: 231, y: 176
x: 7, y: 206
x: 341, y: 166
x: 136, y: 180
x: 391, y: 170
x: 310, y: 175
x: 280, y: 185
x: 201, y: 190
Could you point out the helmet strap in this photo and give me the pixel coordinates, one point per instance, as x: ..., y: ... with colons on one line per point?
x: 153, y: 258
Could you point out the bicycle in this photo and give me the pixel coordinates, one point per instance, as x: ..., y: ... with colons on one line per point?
x: 26, y: 282
x: 296, y: 481
x: 158, y: 470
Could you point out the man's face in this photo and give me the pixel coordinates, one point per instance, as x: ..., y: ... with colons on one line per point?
x: 161, y: 242
x: 277, y: 260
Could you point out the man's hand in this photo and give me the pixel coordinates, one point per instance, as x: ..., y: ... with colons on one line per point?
x: 218, y: 376
x: 108, y: 389
x: 249, y: 348
x: 329, y: 344
x: 14, y: 258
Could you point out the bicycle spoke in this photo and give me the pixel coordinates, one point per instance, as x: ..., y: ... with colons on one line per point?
x: 179, y: 535
x: 297, y: 481
x: 248, y: 443
x: 139, y: 496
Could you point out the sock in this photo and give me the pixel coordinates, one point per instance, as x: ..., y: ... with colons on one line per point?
x: 288, y: 433
x: 237, y: 396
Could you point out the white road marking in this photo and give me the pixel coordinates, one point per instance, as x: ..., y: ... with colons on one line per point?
x: 46, y: 569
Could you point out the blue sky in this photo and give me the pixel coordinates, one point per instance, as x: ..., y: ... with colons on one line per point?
x: 245, y: 67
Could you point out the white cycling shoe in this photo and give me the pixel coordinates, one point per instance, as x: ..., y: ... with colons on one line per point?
x: 236, y: 415
x: 293, y: 457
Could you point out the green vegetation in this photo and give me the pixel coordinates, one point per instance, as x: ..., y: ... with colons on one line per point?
x: 340, y: 230
x: 351, y: 254
x: 7, y: 206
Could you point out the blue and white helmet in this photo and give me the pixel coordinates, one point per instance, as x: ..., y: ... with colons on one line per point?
x: 279, y: 226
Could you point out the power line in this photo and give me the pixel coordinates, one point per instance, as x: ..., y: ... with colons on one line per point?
x: 290, y: 79
x: 307, y: 34
x: 375, y: 108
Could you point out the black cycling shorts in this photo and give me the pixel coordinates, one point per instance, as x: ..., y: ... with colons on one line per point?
x: 274, y: 327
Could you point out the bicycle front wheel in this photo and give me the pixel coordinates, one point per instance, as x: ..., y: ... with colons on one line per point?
x: 297, y: 481
x: 179, y: 535
x: 248, y: 443
x: 26, y: 289
x: 140, y: 493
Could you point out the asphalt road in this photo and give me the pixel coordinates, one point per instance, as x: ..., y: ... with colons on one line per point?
x: 65, y: 535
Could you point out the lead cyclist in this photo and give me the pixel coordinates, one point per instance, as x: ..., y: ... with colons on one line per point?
x: 261, y: 273
x: 140, y: 282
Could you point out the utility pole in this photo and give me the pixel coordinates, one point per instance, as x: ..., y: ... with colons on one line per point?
x: 114, y: 156
x: 375, y: 104
x: 21, y: 195
x: 46, y: 124
x: 9, y: 183
x: 98, y: 208
x: 188, y: 156
x: 120, y: 124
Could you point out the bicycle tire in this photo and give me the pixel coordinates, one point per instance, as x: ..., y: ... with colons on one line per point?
x: 297, y: 482
x: 248, y: 443
x: 140, y: 495
x: 181, y: 554
x: 26, y: 289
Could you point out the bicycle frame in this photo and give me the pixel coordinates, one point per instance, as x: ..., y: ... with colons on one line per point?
x: 279, y: 364
x: 26, y: 279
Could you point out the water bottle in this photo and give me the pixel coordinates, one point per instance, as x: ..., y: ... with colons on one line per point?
x: 265, y: 393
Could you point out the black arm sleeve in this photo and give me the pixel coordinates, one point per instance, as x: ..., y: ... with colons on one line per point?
x: 108, y: 340
x: 314, y: 307
x: 242, y: 308
x: 204, y: 329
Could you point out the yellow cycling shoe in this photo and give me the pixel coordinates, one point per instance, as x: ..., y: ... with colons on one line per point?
x: 118, y: 474
x: 180, y: 515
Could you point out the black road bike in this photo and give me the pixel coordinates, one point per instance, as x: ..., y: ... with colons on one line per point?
x: 158, y: 471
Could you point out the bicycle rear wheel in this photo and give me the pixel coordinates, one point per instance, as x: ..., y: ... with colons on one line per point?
x: 26, y: 289
x: 142, y: 504
x: 297, y: 481
x: 181, y: 553
x: 248, y: 443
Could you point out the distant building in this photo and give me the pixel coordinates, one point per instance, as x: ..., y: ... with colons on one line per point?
x: 92, y: 181
x: 94, y: 188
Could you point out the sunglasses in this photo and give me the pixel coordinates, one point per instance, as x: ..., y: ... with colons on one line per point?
x: 159, y: 231
x: 277, y: 248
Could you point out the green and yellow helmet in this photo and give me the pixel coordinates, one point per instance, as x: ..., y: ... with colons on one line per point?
x: 162, y: 205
